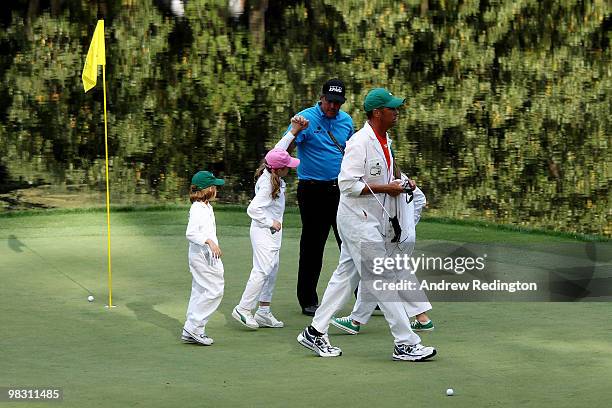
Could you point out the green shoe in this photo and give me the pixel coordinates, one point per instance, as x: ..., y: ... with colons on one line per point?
x: 418, y: 326
x: 345, y: 324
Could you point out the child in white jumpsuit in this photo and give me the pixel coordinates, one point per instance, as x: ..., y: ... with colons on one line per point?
x: 204, y: 259
x: 266, y: 212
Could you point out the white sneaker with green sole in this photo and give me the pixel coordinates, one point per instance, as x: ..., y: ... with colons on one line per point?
x: 245, y: 318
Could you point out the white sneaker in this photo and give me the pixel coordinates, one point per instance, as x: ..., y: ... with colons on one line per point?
x: 245, y: 318
x: 192, y: 338
x: 415, y: 352
x: 267, y: 319
x: 319, y: 344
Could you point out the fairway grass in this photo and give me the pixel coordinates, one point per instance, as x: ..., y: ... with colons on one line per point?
x: 492, y: 354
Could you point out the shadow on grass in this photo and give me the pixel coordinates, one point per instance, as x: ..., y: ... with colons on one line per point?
x: 16, y: 245
x: 146, y: 313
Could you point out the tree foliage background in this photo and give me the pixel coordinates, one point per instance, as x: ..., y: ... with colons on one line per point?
x: 507, y: 116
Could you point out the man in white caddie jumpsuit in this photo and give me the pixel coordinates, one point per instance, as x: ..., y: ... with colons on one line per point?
x: 362, y: 223
x: 409, y: 214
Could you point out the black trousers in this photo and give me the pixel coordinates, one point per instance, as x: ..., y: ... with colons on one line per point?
x: 318, y: 202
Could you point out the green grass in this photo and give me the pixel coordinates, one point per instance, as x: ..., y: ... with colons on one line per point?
x: 492, y: 354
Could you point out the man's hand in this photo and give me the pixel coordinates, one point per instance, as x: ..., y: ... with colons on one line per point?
x: 411, y: 183
x: 276, y: 226
x: 394, y: 188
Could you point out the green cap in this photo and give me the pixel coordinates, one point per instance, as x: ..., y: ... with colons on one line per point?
x: 204, y: 179
x: 381, y: 98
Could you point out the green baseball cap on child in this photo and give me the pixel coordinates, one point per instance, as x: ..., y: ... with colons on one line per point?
x: 381, y: 98
x: 205, y: 179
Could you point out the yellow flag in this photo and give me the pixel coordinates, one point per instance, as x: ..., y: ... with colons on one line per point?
x: 95, y: 56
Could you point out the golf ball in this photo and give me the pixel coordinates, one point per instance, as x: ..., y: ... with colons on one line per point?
x: 90, y: 298
x: 450, y: 392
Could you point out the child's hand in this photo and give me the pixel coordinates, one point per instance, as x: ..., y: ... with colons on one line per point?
x: 214, y: 248
x: 298, y: 123
x: 276, y: 226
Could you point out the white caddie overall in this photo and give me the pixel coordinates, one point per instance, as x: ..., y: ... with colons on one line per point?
x: 361, y: 221
x: 207, y: 283
x: 263, y: 210
x: 409, y: 215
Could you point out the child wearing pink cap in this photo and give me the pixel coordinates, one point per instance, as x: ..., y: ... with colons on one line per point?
x: 266, y: 212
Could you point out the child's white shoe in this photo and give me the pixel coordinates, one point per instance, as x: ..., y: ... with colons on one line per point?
x: 245, y: 318
x: 267, y: 319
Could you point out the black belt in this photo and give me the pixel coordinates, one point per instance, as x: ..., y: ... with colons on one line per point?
x: 333, y: 182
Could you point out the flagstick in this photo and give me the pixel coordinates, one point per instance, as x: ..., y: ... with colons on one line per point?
x: 110, y: 273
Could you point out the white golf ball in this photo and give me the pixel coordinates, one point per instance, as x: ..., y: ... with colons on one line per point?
x: 450, y: 392
x: 90, y: 298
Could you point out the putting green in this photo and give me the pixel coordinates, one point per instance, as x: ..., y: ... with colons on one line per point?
x: 492, y: 354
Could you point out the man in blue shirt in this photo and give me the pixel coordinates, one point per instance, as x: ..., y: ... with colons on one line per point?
x: 320, y: 148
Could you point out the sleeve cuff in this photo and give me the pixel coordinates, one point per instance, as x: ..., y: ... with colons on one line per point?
x: 354, y: 189
x: 285, y: 141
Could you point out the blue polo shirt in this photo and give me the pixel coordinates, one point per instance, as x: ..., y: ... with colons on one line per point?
x: 319, y: 156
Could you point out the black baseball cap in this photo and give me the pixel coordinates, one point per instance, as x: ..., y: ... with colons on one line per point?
x: 333, y: 90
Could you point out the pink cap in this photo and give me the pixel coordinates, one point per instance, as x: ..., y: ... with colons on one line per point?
x: 279, y: 158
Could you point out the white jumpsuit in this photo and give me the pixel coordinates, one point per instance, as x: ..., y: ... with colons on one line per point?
x: 207, y: 283
x: 263, y: 210
x: 409, y: 215
x: 361, y: 221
